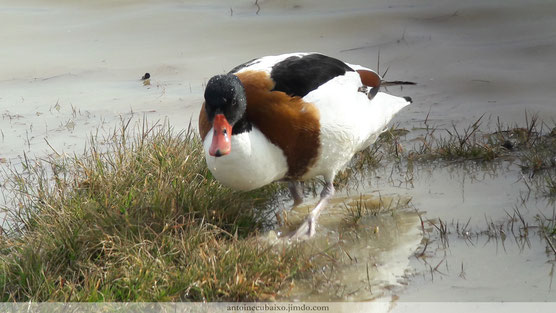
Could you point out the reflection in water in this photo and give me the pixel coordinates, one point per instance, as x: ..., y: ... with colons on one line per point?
x: 483, y: 239
x: 362, y: 247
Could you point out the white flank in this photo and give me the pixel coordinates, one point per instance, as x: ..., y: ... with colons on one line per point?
x: 349, y: 121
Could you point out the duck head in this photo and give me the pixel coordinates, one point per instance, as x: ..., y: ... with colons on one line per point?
x: 225, y: 105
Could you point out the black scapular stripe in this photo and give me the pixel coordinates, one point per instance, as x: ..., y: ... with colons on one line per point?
x: 297, y: 76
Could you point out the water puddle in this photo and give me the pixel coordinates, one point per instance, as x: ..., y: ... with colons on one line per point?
x: 440, y: 232
x: 483, y: 269
x: 362, y: 248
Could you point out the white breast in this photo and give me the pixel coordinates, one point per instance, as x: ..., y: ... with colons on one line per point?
x: 252, y: 163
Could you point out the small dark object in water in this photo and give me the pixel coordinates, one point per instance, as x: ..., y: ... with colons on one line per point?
x: 508, y: 145
x: 146, y: 76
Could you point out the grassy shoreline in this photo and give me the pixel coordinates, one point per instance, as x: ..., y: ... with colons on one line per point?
x: 142, y: 220
x: 139, y: 217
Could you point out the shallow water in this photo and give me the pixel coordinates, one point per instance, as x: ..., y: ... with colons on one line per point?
x: 488, y: 254
x: 71, y: 68
x: 360, y: 255
x: 494, y: 249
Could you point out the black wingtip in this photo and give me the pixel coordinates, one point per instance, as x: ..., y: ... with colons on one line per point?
x: 408, y: 99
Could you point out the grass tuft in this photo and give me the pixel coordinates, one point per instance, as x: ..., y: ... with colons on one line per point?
x: 372, y: 206
x: 137, y: 218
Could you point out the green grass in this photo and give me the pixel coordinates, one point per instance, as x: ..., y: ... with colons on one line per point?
x: 138, y: 218
x: 373, y: 206
x: 457, y: 144
x: 550, y: 184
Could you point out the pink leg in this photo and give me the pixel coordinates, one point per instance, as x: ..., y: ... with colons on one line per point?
x: 309, y: 226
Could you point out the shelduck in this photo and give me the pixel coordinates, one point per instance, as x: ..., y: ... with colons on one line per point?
x: 292, y: 117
